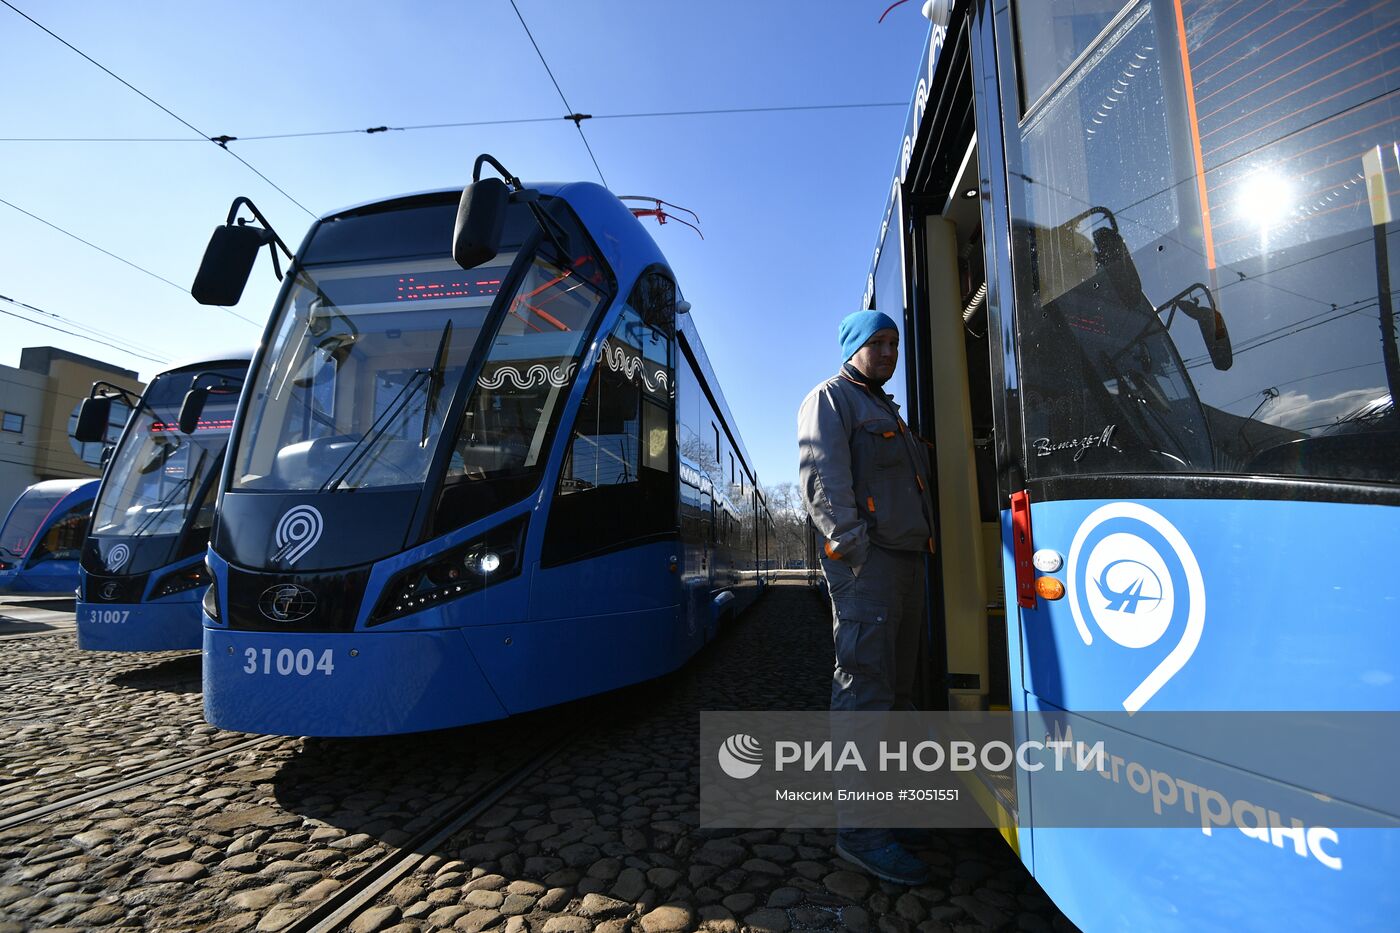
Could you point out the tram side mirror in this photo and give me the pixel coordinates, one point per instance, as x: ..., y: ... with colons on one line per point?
x: 1111, y: 254
x: 1213, y: 330
x: 481, y: 222
x: 191, y: 408
x: 93, y: 415
x: 228, y: 261
x: 1217, y: 338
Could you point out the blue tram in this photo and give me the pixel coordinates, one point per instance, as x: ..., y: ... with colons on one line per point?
x: 143, y: 572
x: 1144, y: 256
x: 455, y: 494
x: 43, y: 535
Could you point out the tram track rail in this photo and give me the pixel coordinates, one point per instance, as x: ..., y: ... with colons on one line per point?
x: 358, y: 895
x: 29, y: 815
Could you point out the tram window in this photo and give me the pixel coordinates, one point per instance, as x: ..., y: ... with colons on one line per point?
x: 1196, y: 253
x: 64, y: 539
x: 615, y: 485
x: 1051, y: 35
x: 654, y: 298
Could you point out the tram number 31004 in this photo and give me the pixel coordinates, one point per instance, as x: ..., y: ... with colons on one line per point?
x: 285, y: 661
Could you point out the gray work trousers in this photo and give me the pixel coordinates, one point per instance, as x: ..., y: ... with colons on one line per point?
x: 877, y: 621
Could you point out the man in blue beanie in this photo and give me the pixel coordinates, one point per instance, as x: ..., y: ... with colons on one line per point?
x: 865, y: 483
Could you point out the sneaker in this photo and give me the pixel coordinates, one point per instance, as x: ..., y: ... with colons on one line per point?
x: 892, y: 863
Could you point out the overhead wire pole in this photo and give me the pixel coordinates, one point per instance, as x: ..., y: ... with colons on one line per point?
x: 150, y: 99
x: 574, y: 115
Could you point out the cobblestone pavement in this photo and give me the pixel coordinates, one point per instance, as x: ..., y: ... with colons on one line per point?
x: 603, y: 839
x: 49, y: 655
x: 69, y: 728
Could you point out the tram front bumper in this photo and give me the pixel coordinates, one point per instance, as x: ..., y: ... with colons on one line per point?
x: 173, y: 626
x: 343, y: 684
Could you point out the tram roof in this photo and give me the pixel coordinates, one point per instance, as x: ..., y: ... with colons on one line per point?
x: 545, y: 187
x: 240, y: 354
x: 64, y: 487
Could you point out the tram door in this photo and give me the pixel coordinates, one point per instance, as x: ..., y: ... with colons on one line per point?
x: 951, y: 405
x: 954, y: 374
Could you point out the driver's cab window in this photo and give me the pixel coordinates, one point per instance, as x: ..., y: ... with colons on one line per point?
x: 64, y: 539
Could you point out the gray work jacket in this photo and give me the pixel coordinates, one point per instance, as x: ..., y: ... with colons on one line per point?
x: 864, y: 473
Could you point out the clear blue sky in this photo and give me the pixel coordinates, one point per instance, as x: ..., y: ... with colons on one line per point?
x: 789, y: 202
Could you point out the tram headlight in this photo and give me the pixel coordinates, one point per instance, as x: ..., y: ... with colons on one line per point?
x: 211, y: 599
x: 187, y: 578
x: 459, y: 571
x: 485, y: 562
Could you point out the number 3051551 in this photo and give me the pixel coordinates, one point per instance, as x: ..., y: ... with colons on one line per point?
x: 302, y: 662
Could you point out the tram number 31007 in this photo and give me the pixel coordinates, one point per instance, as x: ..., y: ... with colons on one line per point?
x: 285, y: 661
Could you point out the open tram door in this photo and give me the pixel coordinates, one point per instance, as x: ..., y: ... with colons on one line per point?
x: 930, y: 271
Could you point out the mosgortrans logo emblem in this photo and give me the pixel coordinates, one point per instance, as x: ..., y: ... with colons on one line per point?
x: 1133, y: 575
x: 741, y: 756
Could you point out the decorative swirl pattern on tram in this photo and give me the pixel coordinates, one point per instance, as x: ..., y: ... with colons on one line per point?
x: 537, y: 375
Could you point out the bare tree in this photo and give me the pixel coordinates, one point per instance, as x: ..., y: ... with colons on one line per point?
x: 789, y: 524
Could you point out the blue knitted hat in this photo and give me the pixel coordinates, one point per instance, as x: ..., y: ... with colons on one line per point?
x: 859, y: 327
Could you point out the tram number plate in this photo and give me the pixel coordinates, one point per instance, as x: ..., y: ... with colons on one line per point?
x: 108, y: 616
x: 302, y: 662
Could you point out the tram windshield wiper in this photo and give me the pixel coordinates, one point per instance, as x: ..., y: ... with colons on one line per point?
x: 380, y: 425
x: 435, y: 380
x: 158, y: 510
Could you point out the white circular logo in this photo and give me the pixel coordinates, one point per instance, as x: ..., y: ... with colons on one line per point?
x: 1130, y: 590
x: 1132, y: 573
x: 297, y: 532
x: 741, y: 756
x: 117, y: 557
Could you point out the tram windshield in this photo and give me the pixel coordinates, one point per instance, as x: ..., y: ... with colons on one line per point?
x: 369, y: 349
x: 27, y: 514
x: 1204, y: 199
x: 159, y: 479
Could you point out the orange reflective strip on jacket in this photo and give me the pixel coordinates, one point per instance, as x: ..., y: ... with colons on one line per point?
x: 831, y: 551
x: 870, y: 503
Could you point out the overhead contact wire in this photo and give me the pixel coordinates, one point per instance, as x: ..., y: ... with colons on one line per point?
x: 577, y: 117
x: 113, y: 255
x: 120, y: 343
x: 721, y: 111
x: 156, y: 103
x: 79, y: 336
